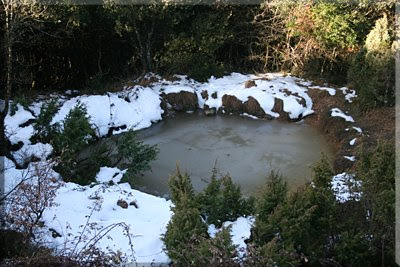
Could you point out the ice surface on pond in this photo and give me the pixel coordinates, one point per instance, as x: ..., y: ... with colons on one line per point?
x: 245, y: 147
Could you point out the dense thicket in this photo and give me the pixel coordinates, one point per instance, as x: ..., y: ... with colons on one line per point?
x: 187, y: 240
x: 57, y: 47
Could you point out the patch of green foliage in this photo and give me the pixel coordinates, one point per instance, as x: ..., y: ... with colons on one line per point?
x: 222, y: 201
x: 296, y: 227
x: 135, y: 156
x: 76, y: 134
x: 217, y: 250
x: 309, y: 226
x: 376, y: 170
x: 273, y: 194
x: 195, y: 53
x: 181, y: 189
x: 186, y: 225
x: 186, y: 240
x: 44, y: 131
x: 372, y: 72
x: 336, y: 25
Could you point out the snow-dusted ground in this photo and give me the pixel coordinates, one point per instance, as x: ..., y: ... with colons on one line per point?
x: 137, y: 108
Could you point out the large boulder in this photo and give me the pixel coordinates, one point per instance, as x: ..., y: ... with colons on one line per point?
x: 252, y: 107
x: 182, y: 101
x: 278, y: 108
x: 231, y: 104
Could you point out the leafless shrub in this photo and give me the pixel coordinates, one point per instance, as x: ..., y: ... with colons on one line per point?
x: 27, y: 202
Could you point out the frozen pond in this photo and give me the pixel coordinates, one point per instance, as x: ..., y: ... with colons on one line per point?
x: 244, y: 147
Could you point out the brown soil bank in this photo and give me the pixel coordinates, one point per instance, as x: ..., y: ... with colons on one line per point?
x: 378, y: 124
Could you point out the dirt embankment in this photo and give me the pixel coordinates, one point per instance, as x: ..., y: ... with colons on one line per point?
x: 378, y: 124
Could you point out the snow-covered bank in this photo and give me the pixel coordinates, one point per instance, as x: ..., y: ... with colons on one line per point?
x: 137, y: 107
x: 146, y: 223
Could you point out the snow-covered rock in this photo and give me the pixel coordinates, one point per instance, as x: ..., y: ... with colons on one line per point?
x: 13, y: 126
x: 107, y: 174
x: 38, y: 150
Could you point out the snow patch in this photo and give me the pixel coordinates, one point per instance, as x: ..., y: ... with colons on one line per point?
x: 250, y: 116
x: 136, y: 109
x: 107, y: 174
x: 358, y: 129
x: 240, y: 231
x: 353, y: 141
x: 13, y: 129
x: 351, y: 158
x: 146, y: 223
x: 335, y: 112
x: 348, y: 94
x: 346, y: 187
x: 38, y: 150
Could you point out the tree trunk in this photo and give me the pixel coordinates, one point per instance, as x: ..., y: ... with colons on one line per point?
x: 6, y: 97
x: 148, y: 48
x: 99, y: 69
x: 142, y: 50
